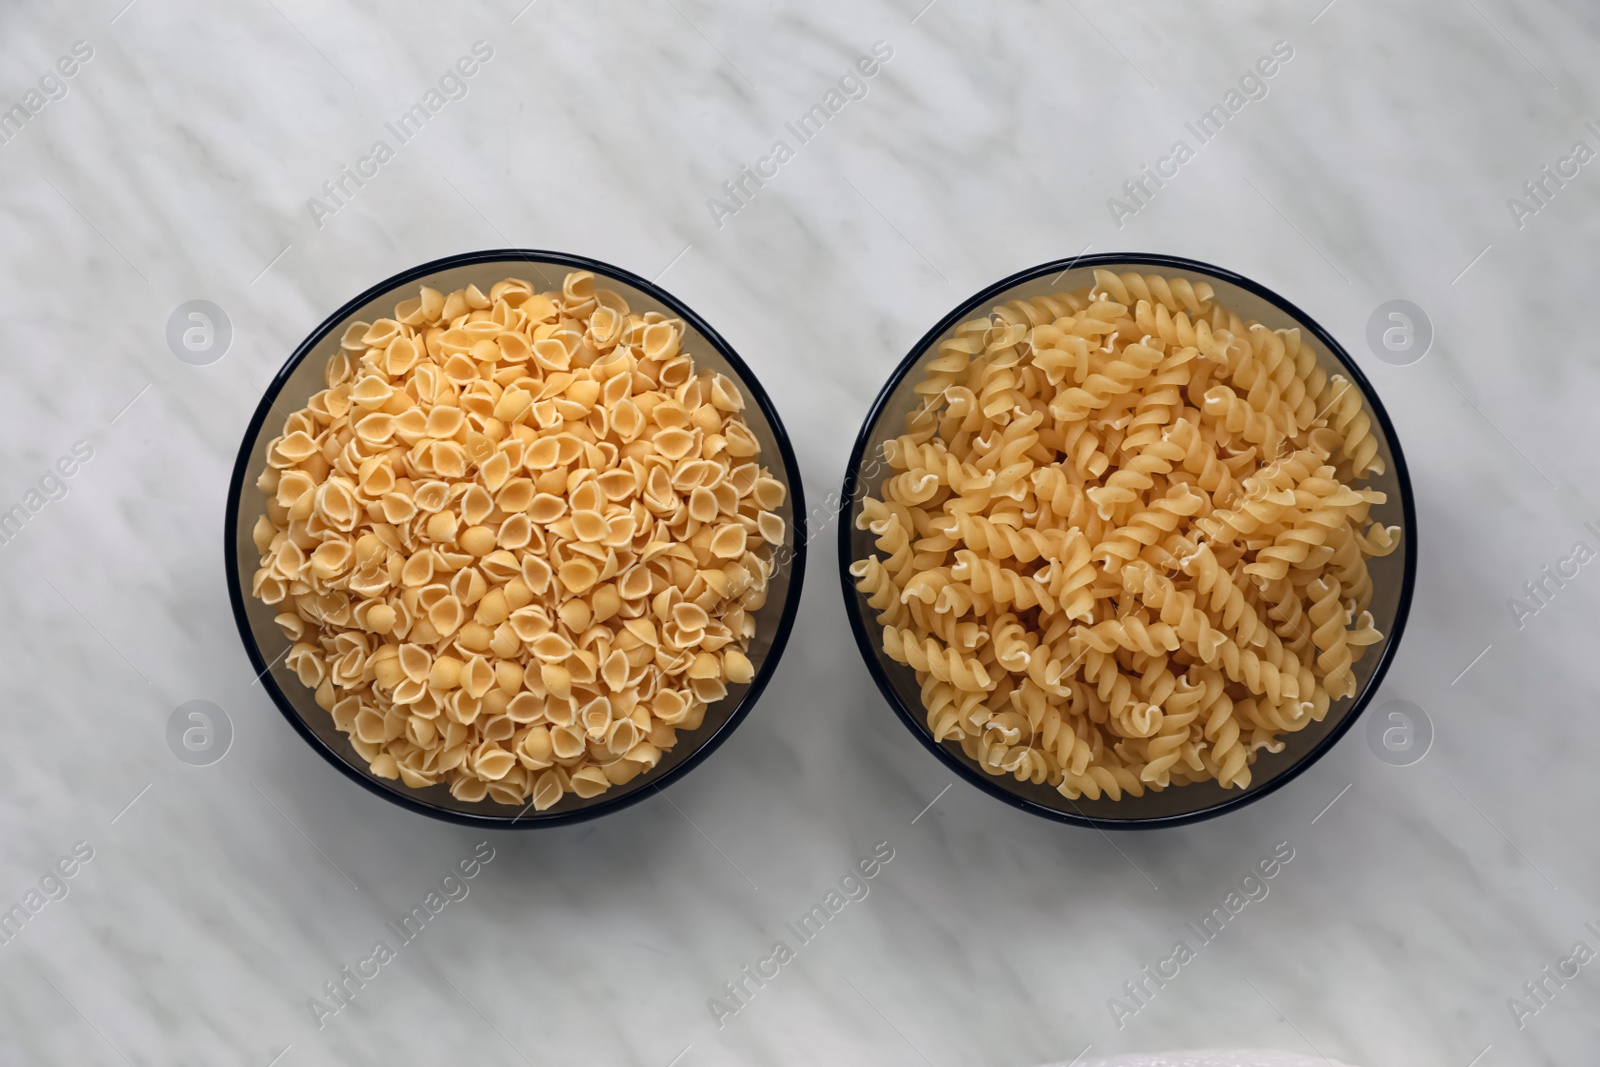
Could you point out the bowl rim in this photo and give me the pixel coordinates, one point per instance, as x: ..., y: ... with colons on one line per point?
x: 992, y: 785
x: 244, y: 463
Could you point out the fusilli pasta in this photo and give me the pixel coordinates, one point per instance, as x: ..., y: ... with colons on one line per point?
x: 1120, y: 542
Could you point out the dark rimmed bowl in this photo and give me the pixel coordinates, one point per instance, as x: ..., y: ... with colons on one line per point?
x: 301, y: 376
x: 1393, y: 576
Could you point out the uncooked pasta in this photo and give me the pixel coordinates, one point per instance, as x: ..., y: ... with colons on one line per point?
x: 518, y: 541
x: 1123, y: 542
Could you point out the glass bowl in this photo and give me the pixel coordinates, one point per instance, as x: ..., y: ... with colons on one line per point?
x: 301, y: 376
x: 1393, y: 576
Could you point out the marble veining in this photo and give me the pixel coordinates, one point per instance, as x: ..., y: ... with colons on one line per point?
x: 184, y: 159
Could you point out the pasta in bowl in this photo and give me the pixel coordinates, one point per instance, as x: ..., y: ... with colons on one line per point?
x: 1128, y: 541
x: 514, y: 538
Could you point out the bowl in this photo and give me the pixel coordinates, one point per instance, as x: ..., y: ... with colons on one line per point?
x: 1393, y: 576
x: 266, y: 645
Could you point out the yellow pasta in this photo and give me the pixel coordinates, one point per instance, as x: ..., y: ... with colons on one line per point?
x: 1121, y: 542
x: 518, y: 539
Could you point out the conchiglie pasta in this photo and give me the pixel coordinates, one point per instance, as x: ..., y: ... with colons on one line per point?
x: 518, y: 540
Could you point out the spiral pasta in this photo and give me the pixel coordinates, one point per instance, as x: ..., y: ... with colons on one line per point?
x: 1120, y: 542
x: 519, y: 539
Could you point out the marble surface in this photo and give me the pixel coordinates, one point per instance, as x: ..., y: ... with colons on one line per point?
x: 176, y: 163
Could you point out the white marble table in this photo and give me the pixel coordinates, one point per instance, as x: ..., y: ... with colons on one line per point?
x: 176, y: 163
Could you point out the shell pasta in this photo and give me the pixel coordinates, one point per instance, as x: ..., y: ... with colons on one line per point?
x: 518, y: 541
x: 1123, y: 539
